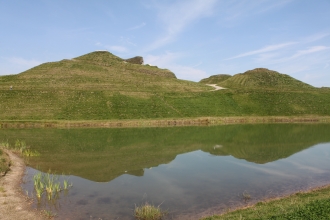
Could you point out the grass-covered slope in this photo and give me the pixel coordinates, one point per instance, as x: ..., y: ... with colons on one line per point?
x: 215, y: 79
x: 101, y: 86
x: 262, y: 77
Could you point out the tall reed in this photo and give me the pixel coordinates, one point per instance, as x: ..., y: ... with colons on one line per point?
x: 49, y: 183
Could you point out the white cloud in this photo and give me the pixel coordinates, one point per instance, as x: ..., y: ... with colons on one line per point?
x: 315, y: 37
x: 168, y: 61
x: 137, y: 27
x: 178, y: 16
x: 14, y: 65
x: 263, y: 50
x: 119, y: 49
x: 274, y: 5
x: 113, y: 48
x: 188, y: 73
x: 326, y: 66
x: 162, y: 60
x: 24, y: 62
x: 310, y: 50
x: 238, y: 10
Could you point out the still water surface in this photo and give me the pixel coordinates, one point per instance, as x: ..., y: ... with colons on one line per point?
x: 191, y: 171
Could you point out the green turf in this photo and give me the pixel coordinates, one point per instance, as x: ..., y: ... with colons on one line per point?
x: 101, y: 86
x: 264, y: 79
x: 4, y: 162
x: 311, y: 205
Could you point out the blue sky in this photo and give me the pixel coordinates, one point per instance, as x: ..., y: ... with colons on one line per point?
x: 193, y: 38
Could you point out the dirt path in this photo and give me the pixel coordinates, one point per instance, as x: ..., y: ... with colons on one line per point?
x: 215, y: 86
x: 13, y: 204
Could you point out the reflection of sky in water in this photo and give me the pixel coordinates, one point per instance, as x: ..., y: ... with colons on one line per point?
x: 195, y: 182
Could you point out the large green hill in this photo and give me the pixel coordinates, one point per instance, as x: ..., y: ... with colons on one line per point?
x: 102, y: 86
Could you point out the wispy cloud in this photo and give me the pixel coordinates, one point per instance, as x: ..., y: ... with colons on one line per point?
x: 178, y: 16
x: 272, y: 5
x: 113, y: 48
x: 14, y: 65
x: 137, y: 27
x: 309, y: 50
x: 187, y: 72
x: 119, y: 49
x: 168, y: 60
x: 237, y: 10
x: 315, y: 37
x: 263, y: 50
x: 24, y: 62
x: 163, y: 59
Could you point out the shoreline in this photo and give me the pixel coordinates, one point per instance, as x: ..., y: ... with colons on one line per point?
x: 164, y: 122
x: 14, y: 205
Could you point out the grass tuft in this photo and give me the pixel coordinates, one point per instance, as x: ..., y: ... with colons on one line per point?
x: 148, y: 212
x: 49, y: 183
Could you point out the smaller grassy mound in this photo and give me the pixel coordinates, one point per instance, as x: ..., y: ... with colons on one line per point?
x: 215, y: 79
x: 311, y: 205
x: 264, y: 78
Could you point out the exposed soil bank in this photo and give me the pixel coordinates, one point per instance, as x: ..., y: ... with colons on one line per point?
x: 204, y: 121
x: 13, y: 204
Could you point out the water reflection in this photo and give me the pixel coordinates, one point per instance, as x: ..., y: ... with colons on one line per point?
x: 191, y: 171
x: 197, y: 183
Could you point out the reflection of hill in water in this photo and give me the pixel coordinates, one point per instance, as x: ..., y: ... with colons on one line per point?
x: 104, y: 154
x: 266, y: 143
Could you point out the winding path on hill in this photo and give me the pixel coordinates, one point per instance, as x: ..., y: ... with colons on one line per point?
x: 215, y: 86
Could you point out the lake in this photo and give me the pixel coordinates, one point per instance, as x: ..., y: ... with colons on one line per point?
x: 189, y: 171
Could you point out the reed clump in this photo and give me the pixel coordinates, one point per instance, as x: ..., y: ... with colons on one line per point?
x: 21, y: 148
x: 50, y: 184
x: 148, y: 212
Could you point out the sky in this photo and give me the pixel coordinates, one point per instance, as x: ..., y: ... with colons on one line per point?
x: 193, y: 38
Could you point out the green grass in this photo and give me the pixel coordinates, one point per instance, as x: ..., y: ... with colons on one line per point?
x: 148, y: 212
x: 4, y: 159
x: 4, y: 163
x: 47, y: 183
x: 310, y: 205
x: 101, y: 86
x: 264, y: 78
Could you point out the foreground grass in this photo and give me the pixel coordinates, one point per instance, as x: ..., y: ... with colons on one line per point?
x: 311, y: 205
x: 4, y: 162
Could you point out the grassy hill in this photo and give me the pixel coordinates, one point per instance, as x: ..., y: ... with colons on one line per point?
x: 101, y: 86
x: 215, y: 79
x: 262, y: 77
